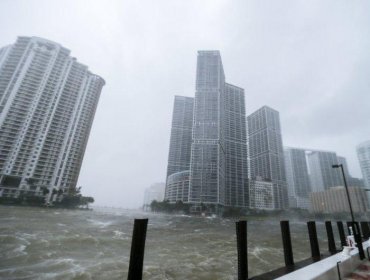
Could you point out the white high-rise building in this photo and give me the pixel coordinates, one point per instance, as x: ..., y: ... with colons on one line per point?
x: 47, y: 105
x: 363, y: 154
x: 218, y: 163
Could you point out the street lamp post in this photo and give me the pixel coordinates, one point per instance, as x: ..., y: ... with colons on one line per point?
x: 356, y: 230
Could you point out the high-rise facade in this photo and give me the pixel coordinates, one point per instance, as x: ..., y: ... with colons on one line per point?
x: 298, y: 181
x: 343, y: 161
x: 266, y: 153
x: 363, y: 154
x: 322, y: 174
x: 181, y: 130
x: 47, y: 105
x: 351, y: 181
x: 236, y: 157
x: 218, y: 173
x: 218, y: 158
x: 207, y: 172
x: 261, y: 194
x: 177, y: 184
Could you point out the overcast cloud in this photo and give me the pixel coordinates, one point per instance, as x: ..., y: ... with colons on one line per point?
x: 310, y: 60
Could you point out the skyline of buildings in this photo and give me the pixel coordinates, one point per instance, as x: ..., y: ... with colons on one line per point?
x: 217, y: 168
x: 48, y: 101
x: 236, y: 160
x: 47, y: 105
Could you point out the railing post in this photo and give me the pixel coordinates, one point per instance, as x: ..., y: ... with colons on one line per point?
x: 242, y: 246
x: 365, y: 229
x: 315, y: 250
x: 358, y: 240
x: 342, y: 235
x: 331, y: 242
x: 135, y: 271
x: 287, y: 243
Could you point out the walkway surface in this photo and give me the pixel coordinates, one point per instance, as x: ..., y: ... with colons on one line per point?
x: 362, y: 272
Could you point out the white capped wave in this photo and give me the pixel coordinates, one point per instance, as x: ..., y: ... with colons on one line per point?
x: 100, y: 223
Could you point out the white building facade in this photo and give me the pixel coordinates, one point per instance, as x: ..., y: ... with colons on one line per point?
x: 47, y: 105
x: 262, y: 194
x: 363, y: 154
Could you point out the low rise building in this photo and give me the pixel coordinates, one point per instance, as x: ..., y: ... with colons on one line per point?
x: 261, y: 194
x: 178, y: 187
x: 334, y: 200
x: 154, y: 192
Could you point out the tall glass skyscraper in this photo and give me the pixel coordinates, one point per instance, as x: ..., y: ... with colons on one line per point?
x: 298, y: 180
x: 236, y: 170
x: 181, y: 130
x: 363, y: 154
x: 218, y: 169
x: 266, y: 153
x: 218, y: 161
x: 322, y: 175
x: 207, y: 173
x: 177, y: 179
x: 47, y: 105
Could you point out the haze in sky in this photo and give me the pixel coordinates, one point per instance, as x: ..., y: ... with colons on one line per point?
x: 310, y: 60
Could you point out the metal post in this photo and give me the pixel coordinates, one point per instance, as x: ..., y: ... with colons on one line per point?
x: 315, y: 250
x: 356, y: 228
x: 331, y: 242
x: 358, y: 239
x: 346, y: 187
x: 135, y: 271
x: 242, y: 246
x: 287, y: 243
x: 365, y: 229
x: 341, y: 233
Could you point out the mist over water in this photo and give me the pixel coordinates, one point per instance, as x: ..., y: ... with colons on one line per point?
x: 37, y: 243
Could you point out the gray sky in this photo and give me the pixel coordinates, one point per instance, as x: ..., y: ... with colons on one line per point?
x: 310, y: 60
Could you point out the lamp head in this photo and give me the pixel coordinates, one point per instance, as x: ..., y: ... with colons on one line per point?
x: 335, y: 165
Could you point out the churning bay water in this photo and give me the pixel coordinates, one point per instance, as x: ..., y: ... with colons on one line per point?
x: 37, y: 243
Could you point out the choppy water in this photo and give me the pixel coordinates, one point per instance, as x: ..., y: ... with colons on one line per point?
x: 38, y: 243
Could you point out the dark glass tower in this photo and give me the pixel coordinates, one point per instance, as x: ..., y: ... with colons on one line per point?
x: 266, y: 152
x: 298, y: 179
